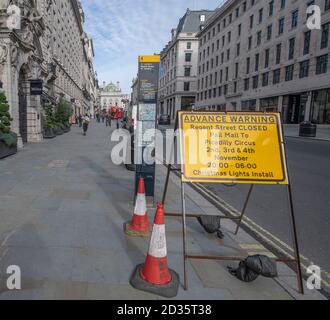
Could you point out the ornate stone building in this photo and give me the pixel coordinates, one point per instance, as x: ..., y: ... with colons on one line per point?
x: 44, y: 40
x: 111, y: 96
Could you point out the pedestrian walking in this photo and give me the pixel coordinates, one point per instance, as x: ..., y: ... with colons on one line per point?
x: 86, y: 121
x: 107, y: 121
x: 80, y: 121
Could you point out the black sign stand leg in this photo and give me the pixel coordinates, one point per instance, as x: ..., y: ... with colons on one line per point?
x: 295, y: 241
x: 244, y: 209
x: 184, y: 232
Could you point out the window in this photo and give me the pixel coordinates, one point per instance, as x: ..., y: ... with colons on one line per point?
x: 239, y: 30
x: 307, y: 41
x: 188, y: 57
x: 289, y: 73
x: 237, y: 12
x: 250, y: 42
x: 225, y: 89
x: 321, y: 64
x: 255, y: 82
x: 278, y: 53
x: 236, y: 70
x: 281, y: 26
x: 261, y: 11
x: 229, y: 37
x: 267, y: 58
x: 276, y: 76
x: 304, y: 69
x: 220, y: 91
x: 248, y: 62
x: 186, y: 86
x: 271, y: 8
x: 187, y: 72
x: 294, y: 16
x: 325, y: 36
x: 235, y: 87
x: 283, y: 2
x: 327, y: 5
x: 227, y: 73
x: 202, y: 18
x: 291, y: 48
x: 269, y: 32
x: 257, y: 62
x: 188, y: 45
x: 238, y: 49
x: 251, y: 21
x: 244, y: 6
x: 259, y: 38
x: 228, y: 54
x: 246, y: 84
x: 265, y: 78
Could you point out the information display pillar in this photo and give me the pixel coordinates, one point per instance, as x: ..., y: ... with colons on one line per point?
x: 148, y: 78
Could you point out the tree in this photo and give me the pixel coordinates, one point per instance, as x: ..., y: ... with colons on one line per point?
x: 8, y: 137
x: 5, y: 117
x: 64, y: 112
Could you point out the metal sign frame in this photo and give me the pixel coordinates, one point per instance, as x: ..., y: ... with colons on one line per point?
x: 184, y: 215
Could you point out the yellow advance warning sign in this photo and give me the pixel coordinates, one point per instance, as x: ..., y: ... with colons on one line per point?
x: 244, y: 148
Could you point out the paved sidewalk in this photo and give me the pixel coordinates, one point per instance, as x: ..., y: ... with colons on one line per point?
x: 323, y: 132
x: 62, y: 208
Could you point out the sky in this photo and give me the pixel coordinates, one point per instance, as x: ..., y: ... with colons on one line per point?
x: 124, y: 29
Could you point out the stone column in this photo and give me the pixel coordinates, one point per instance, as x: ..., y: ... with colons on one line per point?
x: 258, y: 104
x: 308, y: 106
x: 280, y: 104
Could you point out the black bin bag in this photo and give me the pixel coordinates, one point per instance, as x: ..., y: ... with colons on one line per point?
x: 253, y: 267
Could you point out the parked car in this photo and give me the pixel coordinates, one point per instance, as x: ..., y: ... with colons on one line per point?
x: 164, y: 120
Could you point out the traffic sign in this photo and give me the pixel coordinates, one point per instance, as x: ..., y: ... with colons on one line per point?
x: 243, y: 148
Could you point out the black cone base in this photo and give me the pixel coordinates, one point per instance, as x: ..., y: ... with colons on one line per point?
x: 167, y: 291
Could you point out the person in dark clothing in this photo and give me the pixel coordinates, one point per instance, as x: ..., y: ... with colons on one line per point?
x: 80, y: 121
x: 107, y: 121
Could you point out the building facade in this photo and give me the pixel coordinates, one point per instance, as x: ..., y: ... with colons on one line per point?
x: 43, y: 40
x: 178, y: 69
x: 257, y: 55
x: 111, y: 95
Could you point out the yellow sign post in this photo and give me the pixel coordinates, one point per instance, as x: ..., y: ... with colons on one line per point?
x: 231, y: 147
x: 242, y: 148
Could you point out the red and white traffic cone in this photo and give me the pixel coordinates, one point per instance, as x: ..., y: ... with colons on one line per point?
x: 139, y: 226
x: 155, y: 276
